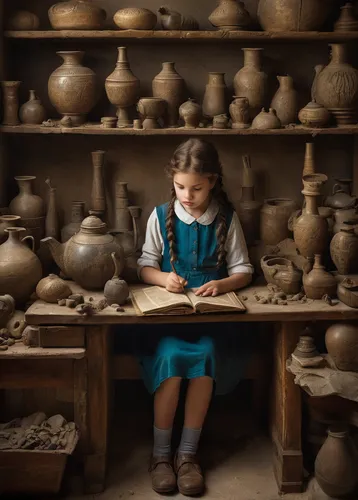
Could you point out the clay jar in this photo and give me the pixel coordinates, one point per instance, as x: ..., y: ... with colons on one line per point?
x: 314, y: 115
x: 5, y: 222
x: 170, y: 86
x: 240, y: 112
x: 134, y: 18
x: 342, y: 345
x: 215, y: 102
x: 52, y: 288
x: 72, y: 88
x: 319, y: 282
x: 266, y: 120
x: 285, y: 101
x: 26, y: 204
x: 32, y: 112
x: 282, y: 273
x: 190, y: 112
x: 10, y: 102
x: 173, y: 20
x: 77, y: 216
x: 116, y: 290
x: 76, y: 15
x: 230, y: 15
x: 23, y: 20
x: 344, y: 249
x: 274, y: 220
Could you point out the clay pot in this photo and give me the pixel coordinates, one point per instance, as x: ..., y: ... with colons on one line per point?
x: 285, y: 101
x: 7, y: 308
x: 215, y: 102
x: 23, y: 20
x: 116, y: 290
x: 319, y: 282
x: 77, y: 216
x: 33, y: 112
x: 76, y: 15
x: 293, y: 15
x: 16, y: 324
x: 347, y: 292
x: 98, y: 196
x: 72, y: 87
x: 266, y: 120
x: 172, y: 20
x: 122, y: 88
x: 251, y: 82
x: 26, y: 204
x: 314, y: 115
x: 190, y: 112
x: 150, y: 110
x: 52, y: 288
x: 230, y: 15
x: 10, y: 96
x: 336, y: 86
x: 342, y: 345
x: 282, y: 273
x: 344, y: 249
x: 20, y: 269
x: 134, y: 18
x: 346, y: 21
x: 5, y: 222
x: 220, y: 121
x: 275, y: 214
x: 170, y: 86
x: 240, y: 113
x: 341, y: 195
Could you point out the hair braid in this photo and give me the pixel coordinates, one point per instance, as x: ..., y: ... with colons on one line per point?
x: 221, y: 228
x: 169, y: 225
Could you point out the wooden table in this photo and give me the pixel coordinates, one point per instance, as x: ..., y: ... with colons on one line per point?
x: 286, y: 416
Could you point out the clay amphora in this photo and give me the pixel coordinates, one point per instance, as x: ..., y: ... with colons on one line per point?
x: 33, y: 112
x: 116, y: 290
x: 77, y: 216
x: 135, y: 18
x: 72, y: 87
x: 170, y: 86
x: 10, y: 102
x: 98, y: 197
x: 319, y: 282
x: 341, y: 195
x: 20, y: 269
x: 285, y: 101
x: 215, y: 101
x: 190, y: 112
x: 282, y: 273
x: 76, y: 15
x: 275, y: 214
x: 86, y: 257
x: 7, y: 309
x: 172, y: 20
x: 122, y: 88
x: 5, y: 222
x: 52, y: 225
x: 266, y: 120
x: 336, y: 465
x: 52, y: 288
x: 336, y: 86
x: 249, y: 209
x: 314, y: 115
x: 23, y: 20
x: 344, y: 249
x: 347, y: 20
x: 26, y: 204
x: 251, y: 82
x: 240, y: 112
x: 230, y: 15
x: 293, y: 15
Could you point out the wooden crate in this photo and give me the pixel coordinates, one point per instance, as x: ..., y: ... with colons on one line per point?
x: 62, y: 336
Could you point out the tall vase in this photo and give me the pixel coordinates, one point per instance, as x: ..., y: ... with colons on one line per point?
x: 10, y: 103
x: 98, y: 198
x: 285, y: 101
x: 249, y: 209
x: 26, y: 204
x: 123, y: 219
x: 77, y: 216
x: 122, y: 88
x: 215, y: 97
x: 309, y: 166
x: 251, y: 81
x: 33, y: 112
x: 52, y: 225
x: 170, y: 86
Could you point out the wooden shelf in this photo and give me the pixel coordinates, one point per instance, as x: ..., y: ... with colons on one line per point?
x: 21, y: 351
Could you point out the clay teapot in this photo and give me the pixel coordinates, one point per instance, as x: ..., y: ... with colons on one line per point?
x: 319, y: 282
x: 282, y: 272
x: 86, y: 257
x: 116, y: 290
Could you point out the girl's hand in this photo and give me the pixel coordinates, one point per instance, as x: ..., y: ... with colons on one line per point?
x: 212, y: 288
x: 175, y: 283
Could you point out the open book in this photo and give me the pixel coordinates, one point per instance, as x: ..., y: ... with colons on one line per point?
x: 153, y: 300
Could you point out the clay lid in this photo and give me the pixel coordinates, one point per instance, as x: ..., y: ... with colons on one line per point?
x: 313, y: 105
x: 93, y: 223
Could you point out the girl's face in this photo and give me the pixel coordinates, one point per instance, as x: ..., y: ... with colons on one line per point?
x: 193, y: 190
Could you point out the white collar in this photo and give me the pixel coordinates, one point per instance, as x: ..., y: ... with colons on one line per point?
x: 207, y: 218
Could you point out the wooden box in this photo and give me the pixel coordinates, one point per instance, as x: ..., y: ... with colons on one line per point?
x: 62, y: 336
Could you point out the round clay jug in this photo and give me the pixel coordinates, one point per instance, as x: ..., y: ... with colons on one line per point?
x: 230, y: 15
x: 190, y: 112
x: 23, y: 20
x: 342, y: 345
x: 72, y: 87
x: 76, y: 15
x: 275, y: 213
x: 52, y: 288
x: 170, y: 86
x: 116, y: 290
x: 5, y: 222
x: 344, y: 249
x: 336, y: 465
x: 285, y: 101
x: 77, y: 216
x: 314, y: 115
x: 240, y: 112
x: 20, y: 268
x: 266, y: 120
x: 32, y: 112
x: 319, y: 282
x: 215, y: 102
x: 135, y: 18
x: 26, y: 204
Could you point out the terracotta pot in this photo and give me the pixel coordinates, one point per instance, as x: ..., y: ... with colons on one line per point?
x: 77, y: 216
x: 274, y: 220
x: 33, y: 112
x: 347, y: 20
x: 122, y: 88
x: 7, y: 308
x: 347, y: 292
x: 20, y: 269
x: 342, y: 345
x: 251, y: 82
x: 282, y: 273
x: 249, y: 209
x: 344, y: 249
x: 52, y: 288
x: 314, y: 115
x: 72, y: 88
x: 170, y: 86
x: 26, y: 204
x: 190, y: 112
x: 285, y: 101
x: 173, y: 20
x: 16, y: 325
x: 319, y: 282
x: 266, y: 120
x: 293, y: 15
x: 98, y: 196
x: 116, y: 290
x: 5, y: 222
x: 10, y: 96
x: 76, y: 15
x: 215, y: 101
x: 341, y: 195
x: 134, y: 18
x: 336, y: 86
x: 230, y: 15
x: 240, y: 112
x: 23, y: 20
x: 150, y: 110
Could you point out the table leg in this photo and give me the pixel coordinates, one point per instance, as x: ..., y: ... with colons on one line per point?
x: 286, y: 421
x: 97, y: 342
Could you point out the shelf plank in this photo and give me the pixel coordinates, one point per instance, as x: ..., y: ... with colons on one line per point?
x: 21, y: 351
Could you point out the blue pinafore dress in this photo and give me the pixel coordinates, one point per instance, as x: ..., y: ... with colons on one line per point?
x: 218, y: 350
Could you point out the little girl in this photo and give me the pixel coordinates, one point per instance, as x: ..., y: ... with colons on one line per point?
x: 193, y: 241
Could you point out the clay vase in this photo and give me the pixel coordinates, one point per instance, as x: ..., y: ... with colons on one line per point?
x: 336, y: 465
x: 336, y: 86
x: 7, y: 309
x: 282, y: 273
x: 76, y: 15
x: 5, y: 222
x: 342, y: 345
x: 77, y: 216
x: 33, y: 112
x: 285, y: 101
x: 249, y: 209
x: 309, y: 166
x: 10, y: 102
x: 52, y: 225
x: 98, y: 196
x: 319, y: 282
x: 134, y: 18
x: 251, y: 82
x: 190, y: 112
x: 215, y: 102
x: 20, y: 269
x: 122, y: 88
x: 173, y: 20
x: 170, y: 86
x: 344, y: 249
x: 347, y: 20
x: 116, y: 290
x: 266, y: 120
x: 23, y: 20
x: 52, y: 288
x: 72, y: 88
x: 230, y: 15
x: 240, y: 113
x: 275, y: 214
x: 26, y: 204
x: 313, y: 115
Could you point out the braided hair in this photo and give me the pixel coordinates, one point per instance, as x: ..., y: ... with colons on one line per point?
x: 198, y: 157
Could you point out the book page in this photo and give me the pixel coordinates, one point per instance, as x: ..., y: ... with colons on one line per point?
x: 225, y: 302
x: 155, y: 299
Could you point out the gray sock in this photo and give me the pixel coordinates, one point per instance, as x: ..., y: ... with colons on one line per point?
x: 162, y: 442
x: 189, y: 441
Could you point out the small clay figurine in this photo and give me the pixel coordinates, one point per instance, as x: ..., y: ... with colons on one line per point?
x: 116, y: 290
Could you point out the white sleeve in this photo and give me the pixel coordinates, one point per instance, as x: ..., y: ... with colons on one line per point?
x: 237, y: 257
x: 153, y: 248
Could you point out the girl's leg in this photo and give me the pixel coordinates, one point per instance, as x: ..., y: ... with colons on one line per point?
x: 165, y: 403
x: 197, y: 402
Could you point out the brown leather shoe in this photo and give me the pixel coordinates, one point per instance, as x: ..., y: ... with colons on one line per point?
x: 162, y: 474
x: 190, y: 479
